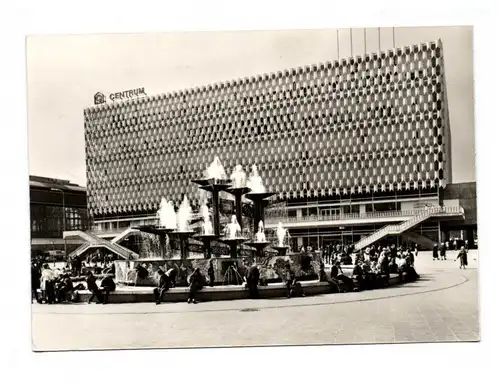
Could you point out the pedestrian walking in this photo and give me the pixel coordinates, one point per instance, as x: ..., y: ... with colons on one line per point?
x: 435, y: 252
x: 462, y: 255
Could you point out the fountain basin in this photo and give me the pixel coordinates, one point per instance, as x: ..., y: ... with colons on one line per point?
x: 183, y: 233
x: 206, y: 237
x: 233, y: 241
x: 152, y: 229
x: 215, y: 187
x: 259, y: 245
x: 258, y: 196
x: 238, y: 191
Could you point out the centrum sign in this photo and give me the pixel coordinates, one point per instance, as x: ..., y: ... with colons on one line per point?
x: 100, y: 98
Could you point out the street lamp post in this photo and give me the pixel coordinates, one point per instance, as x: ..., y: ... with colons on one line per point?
x: 64, y: 219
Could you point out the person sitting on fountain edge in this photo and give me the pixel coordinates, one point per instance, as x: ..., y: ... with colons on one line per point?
x: 107, y: 285
x: 211, y: 273
x: 338, y: 275
x: 323, y: 277
x: 92, y: 287
x: 65, y: 289
x: 358, y: 275
x: 196, y: 282
x: 35, y: 282
x: 292, y: 286
x: 172, y: 276
x: 163, y: 286
x: 252, y: 279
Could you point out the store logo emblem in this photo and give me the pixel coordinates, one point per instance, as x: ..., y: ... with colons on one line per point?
x: 99, y: 98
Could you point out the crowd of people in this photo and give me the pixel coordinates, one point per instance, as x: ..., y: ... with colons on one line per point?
x: 372, y: 268
x: 56, y: 286
x: 59, y: 286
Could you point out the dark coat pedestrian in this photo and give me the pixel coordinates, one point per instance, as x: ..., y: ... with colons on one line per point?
x: 211, y: 274
x: 163, y: 286
x: 196, y: 282
x: 252, y: 277
x: 462, y: 255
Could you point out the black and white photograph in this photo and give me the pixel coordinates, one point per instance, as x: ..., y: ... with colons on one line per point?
x: 252, y: 188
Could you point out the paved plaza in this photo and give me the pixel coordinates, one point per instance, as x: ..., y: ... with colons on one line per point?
x: 441, y: 306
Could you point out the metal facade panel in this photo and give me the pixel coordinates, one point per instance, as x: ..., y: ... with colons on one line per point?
x: 369, y: 123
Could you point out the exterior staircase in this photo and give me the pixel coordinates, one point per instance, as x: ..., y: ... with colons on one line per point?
x: 94, y: 242
x: 124, y: 235
x: 396, y: 229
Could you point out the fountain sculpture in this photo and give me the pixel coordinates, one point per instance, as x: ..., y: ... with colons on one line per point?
x: 178, y: 225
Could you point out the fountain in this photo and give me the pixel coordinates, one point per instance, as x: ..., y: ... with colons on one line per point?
x: 260, y: 240
x: 238, y: 189
x: 167, y: 224
x: 184, y: 216
x: 258, y: 196
x: 215, y: 182
x: 207, y: 233
x: 282, y: 234
x: 228, y: 269
x: 233, y: 236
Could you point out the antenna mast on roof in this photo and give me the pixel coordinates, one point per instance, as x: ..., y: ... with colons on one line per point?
x: 338, y: 46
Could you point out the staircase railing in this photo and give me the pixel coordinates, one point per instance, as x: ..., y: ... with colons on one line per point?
x: 409, y: 223
x: 123, y: 235
x: 95, y: 240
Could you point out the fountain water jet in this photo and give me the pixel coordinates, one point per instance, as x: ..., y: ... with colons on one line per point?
x: 260, y: 236
x: 233, y: 236
x: 282, y: 234
x: 260, y: 240
x: 238, y: 189
x: 255, y: 181
x: 233, y: 229
x: 184, y: 215
x: 216, y: 170
x: 207, y: 224
x: 258, y: 196
x: 238, y: 177
x: 166, y: 214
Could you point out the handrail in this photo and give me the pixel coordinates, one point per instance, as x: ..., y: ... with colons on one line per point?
x: 94, y: 239
x: 399, y: 228
x: 375, y: 214
x: 344, y: 216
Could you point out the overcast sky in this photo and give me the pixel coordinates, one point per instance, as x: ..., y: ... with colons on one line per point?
x: 64, y: 72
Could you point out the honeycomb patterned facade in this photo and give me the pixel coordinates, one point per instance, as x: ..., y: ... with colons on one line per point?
x: 365, y: 124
